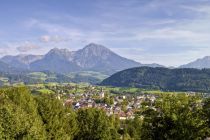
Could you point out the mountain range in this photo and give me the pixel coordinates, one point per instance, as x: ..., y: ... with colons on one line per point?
x: 199, y: 63
x: 92, y: 57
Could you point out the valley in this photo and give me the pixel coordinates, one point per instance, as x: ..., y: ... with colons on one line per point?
x: 105, y: 70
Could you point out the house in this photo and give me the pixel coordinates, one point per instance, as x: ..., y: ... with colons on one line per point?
x: 77, y: 106
x: 101, y: 93
x: 122, y: 116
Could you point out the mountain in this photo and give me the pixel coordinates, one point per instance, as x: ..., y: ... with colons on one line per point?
x: 99, y: 58
x: 4, y: 67
x: 199, y: 63
x: 56, y: 60
x: 162, y: 78
x: 20, y: 61
x: 92, y: 57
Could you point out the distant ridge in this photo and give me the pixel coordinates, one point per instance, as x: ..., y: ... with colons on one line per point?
x: 199, y: 63
x: 20, y: 61
x: 93, y: 57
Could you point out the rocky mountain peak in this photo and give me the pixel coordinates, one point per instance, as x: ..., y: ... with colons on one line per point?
x: 57, y: 50
x: 207, y: 58
x: 62, y: 53
x: 93, y: 49
x: 199, y: 63
x: 93, y: 57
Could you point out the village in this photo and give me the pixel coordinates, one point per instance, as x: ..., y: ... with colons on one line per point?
x: 124, y: 103
x: 125, y: 106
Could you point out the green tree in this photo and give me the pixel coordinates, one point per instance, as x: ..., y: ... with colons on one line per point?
x: 19, y: 118
x: 206, y: 109
x: 109, y: 100
x: 115, y: 127
x: 94, y: 124
x: 59, y: 122
x: 178, y: 116
x: 133, y: 128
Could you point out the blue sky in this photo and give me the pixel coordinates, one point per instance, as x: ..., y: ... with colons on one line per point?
x: 168, y: 32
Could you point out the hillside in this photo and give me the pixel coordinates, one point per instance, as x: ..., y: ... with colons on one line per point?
x: 161, y: 78
x: 56, y: 60
x: 95, y: 57
x: 199, y: 63
x: 20, y: 61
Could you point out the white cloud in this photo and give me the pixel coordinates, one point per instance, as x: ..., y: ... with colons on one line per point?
x: 175, y: 59
x: 7, y: 49
x: 27, y: 46
x: 135, y: 30
x: 55, y: 28
x: 53, y: 39
x: 197, y: 8
x: 3, y: 51
x: 175, y: 34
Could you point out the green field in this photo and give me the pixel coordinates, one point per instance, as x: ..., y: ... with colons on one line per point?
x: 45, y: 91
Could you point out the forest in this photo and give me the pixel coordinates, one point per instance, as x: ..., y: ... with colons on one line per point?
x: 180, y: 79
x: 24, y: 115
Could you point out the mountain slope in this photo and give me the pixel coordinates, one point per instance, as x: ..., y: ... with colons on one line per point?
x: 162, y: 78
x: 199, y: 63
x: 5, y: 68
x: 20, y: 61
x: 99, y: 58
x: 56, y: 60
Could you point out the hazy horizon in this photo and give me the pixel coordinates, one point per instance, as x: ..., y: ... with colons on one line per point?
x: 47, y: 51
x: 169, y: 33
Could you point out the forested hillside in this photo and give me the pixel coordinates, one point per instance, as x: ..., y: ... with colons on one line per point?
x: 162, y: 78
